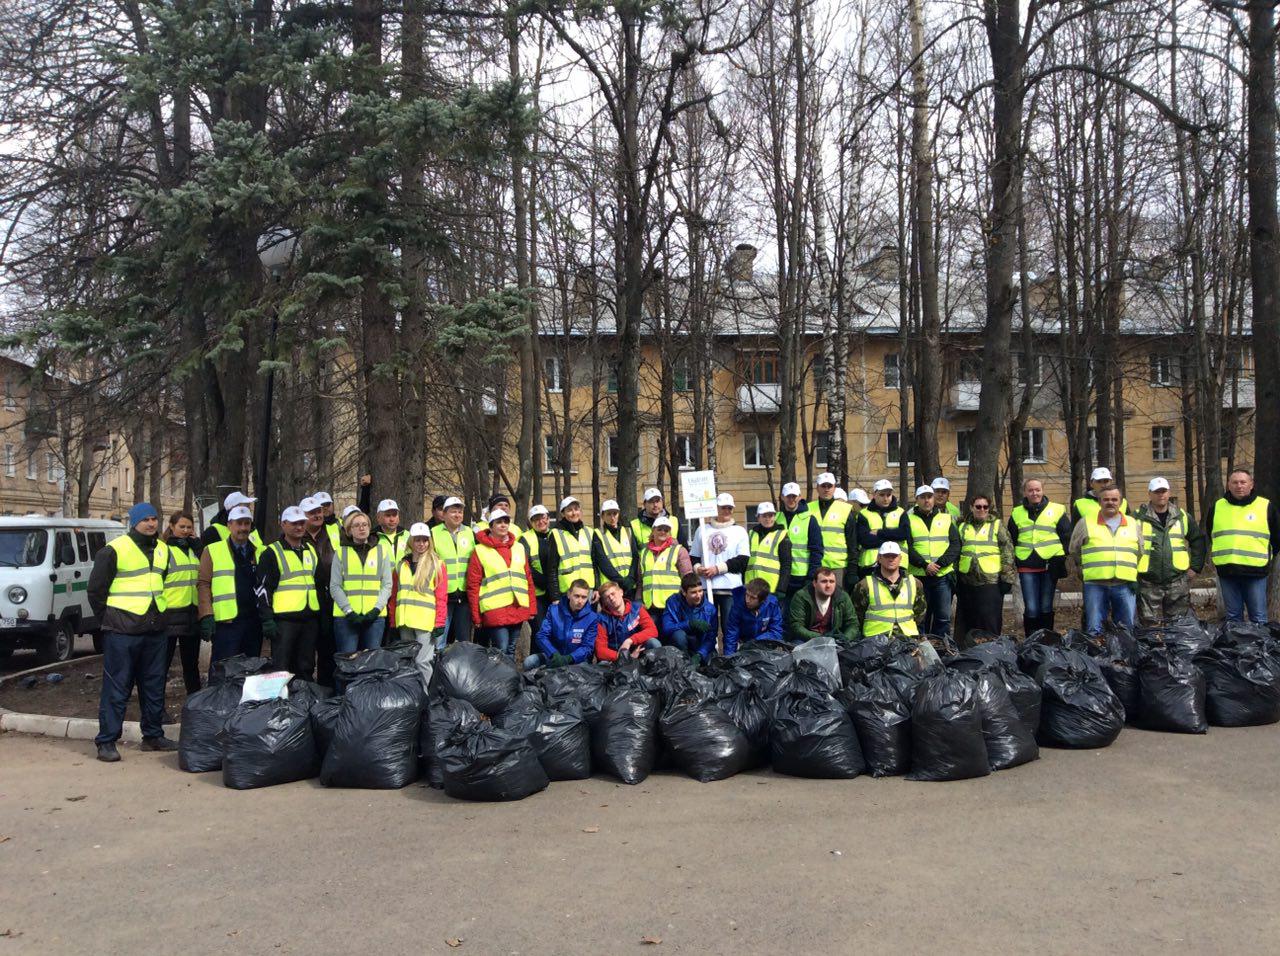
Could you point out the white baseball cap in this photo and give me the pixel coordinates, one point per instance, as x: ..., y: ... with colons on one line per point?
x: 309, y: 504
x: 766, y: 508
x: 1158, y: 484
x: 924, y: 490
x: 537, y: 510
x: 1100, y: 474
x: 419, y: 529
x: 237, y: 498
x: 790, y: 488
x: 497, y: 514
x: 724, y: 500
x: 387, y: 504
x: 348, y: 511
x: 569, y: 500
x: 452, y: 503
x: 826, y: 478
x: 292, y: 513
x: 890, y: 547
x: 840, y: 494
x: 609, y: 505
x: 941, y: 484
x: 323, y: 498
x: 240, y: 511
x: 860, y: 496
x: 884, y: 484
x: 662, y: 521
x: 650, y: 494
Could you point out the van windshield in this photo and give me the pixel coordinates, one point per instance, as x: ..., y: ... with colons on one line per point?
x: 22, y: 547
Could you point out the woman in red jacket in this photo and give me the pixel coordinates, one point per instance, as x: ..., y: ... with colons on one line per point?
x: 499, y: 585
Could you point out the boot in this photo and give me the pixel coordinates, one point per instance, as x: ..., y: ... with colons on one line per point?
x: 108, y: 753
x: 158, y: 743
x: 1045, y: 621
x: 1029, y: 625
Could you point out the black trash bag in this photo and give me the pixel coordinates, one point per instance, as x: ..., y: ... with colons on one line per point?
x: 307, y: 692
x: 237, y: 667
x: 203, y: 714
x: 1078, y: 708
x: 573, y: 682
x: 864, y: 655
x: 765, y: 661
x: 946, y: 729
x: 1184, y: 633
x: 1010, y: 742
x: 882, y: 721
x: 624, y: 735
x: 1172, y: 695
x: 267, y: 742
x: 1245, y: 634
x: 1034, y: 655
x: 751, y: 713
x: 942, y: 643
x: 1122, y: 678
x: 1000, y: 649
x: 1242, y: 686
x: 702, y: 740
x: 1023, y: 691
x: 375, y: 662
x: 812, y: 735
x: 485, y: 762
x: 375, y: 738
x: 324, y: 716
x: 483, y: 676
x: 559, y: 736
x: 728, y: 680
x: 440, y: 719
x: 806, y: 677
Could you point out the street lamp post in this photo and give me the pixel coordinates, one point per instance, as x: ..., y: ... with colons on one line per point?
x: 275, y: 249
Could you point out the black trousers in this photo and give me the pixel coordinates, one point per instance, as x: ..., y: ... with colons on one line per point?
x: 981, y: 608
x: 294, y: 646
x: 188, y: 640
x: 325, y: 646
x: 129, y: 660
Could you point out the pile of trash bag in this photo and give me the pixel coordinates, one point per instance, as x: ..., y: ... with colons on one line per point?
x: 1242, y: 676
x: 374, y: 743
x: 485, y: 762
x: 205, y: 711
x: 269, y: 742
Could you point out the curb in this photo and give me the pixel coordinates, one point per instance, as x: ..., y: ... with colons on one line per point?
x: 69, y: 728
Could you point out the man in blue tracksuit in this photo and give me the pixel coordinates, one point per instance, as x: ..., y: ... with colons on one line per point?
x: 755, y: 615
x: 689, y: 620
x: 568, y: 632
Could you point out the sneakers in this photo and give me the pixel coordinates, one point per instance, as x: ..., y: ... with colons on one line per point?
x: 157, y: 743
x: 107, y: 753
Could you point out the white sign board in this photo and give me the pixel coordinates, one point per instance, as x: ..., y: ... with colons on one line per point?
x: 698, y: 493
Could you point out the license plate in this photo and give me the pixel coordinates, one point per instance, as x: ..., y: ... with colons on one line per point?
x: 8, y: 622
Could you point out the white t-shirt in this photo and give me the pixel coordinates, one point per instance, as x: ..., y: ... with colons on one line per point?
x: 712, y: 545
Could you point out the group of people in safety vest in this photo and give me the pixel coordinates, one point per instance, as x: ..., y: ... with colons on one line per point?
x: 842, y: 565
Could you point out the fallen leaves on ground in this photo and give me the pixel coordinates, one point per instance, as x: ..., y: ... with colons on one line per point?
x: 77, y: 799
x: 590, y: 829
x: 651, y: 940
x: 454, y: 942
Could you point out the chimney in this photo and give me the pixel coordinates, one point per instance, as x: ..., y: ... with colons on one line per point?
x: 741, y: 262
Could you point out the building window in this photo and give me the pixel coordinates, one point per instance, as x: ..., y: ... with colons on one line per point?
x: 612, y: 453
x: 895, y: 447
x: 762, y: 369
x: 1162, y: 444
x: 751, y: 515
x: 10, y: 461
x: 33, y: 467
x: 819, y: 375
x: 551, y: 456
x: 1093, y: 442
x: 1161, y: 370
x: 611, y: 379
x: 1033, y: 448
x: 1030, y: 371
x: 553, y: 373
x: 821, y: 448
x: 964, y: 439
x: 684, y: 452
x: 892, y: 371
x: 682, y: 374
x: 51, y: 468
x: 757, y: 449
x: 969, y: 368
x: 10, y: 401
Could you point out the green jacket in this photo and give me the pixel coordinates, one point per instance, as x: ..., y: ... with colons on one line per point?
x: 862, y: 598
x: 802, y: 610
x: 1155, y: 537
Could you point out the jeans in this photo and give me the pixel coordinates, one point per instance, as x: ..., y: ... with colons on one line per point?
x: 128, y: 659
x: 1037, y: 592
x: 294, y: 646
x: 652, y: 644
x: 1241, y: 593
x: 938, y: 591
x: 532, y: 661
x: 503, y: 638
x: 682, y: 639
x: 348, y: 637
x: 242, y: 635
x: 457, y: 625
x: 1119, y: 599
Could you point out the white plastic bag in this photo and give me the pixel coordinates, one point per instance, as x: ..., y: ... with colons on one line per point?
x: 822, y: 651
x: 273, y: 686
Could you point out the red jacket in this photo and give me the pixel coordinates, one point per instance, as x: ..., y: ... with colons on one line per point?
x: 641, y: 630
x: 513, y: 613
x: 442, y: 593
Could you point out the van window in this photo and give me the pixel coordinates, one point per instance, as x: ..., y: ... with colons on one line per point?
x: 63, y: 545
x: 82, y: 547
x: 23, y: 547
x: 97, y: 541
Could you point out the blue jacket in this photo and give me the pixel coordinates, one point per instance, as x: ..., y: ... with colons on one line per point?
x: 677, y: 615
x: 762, y: 624
x: 563, y: 632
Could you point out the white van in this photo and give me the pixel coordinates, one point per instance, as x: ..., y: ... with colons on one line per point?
x: 44, y: 580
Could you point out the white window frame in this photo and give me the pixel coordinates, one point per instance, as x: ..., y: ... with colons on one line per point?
x: 893, y: 461
x: 822, y: 460
x: 1029, y: 441
x: 550, y: 442
x: 1161, y: 370
x: 1158, y: 435
x: 682, y: 367
x: 51, y: 468
x: 1091, y: 438
x: 762, y: 444
x: 968, y: 442
x: 1034, y: 373
x: 893, y: 382
x: 10, y: 399
x: 10, y: 461
x: 33, y: 467
x: 684, y: 449
x: 553, y: 373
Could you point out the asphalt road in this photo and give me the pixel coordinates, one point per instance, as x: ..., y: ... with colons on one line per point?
x: 1157, y: 843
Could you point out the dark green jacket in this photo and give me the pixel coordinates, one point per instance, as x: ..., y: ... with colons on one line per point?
x: 1155, y: 541
x: 803, y: 610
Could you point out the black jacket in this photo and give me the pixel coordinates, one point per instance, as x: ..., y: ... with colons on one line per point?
x: 784, y: 553
x: 269, y: 580
x: 918, y: 560
x: 551, y: 559
x: 182, y: 620
x: 1057, y: 566
x: 100, y: 578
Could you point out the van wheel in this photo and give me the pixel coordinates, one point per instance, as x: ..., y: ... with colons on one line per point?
x: 58, y: 646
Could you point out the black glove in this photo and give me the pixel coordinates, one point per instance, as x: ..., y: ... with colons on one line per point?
x: 699, y: 626
x: 371, y: 616
x: 354, y: 619
x: 269, y: 629
x: 697, y: 659
x: 437, y: 634
x: 207, y: 626
x: 1006, y: 587
x: 559, y: 660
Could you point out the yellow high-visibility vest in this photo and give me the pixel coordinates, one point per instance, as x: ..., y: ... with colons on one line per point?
x: 877, y: 522
x: 502, y: 585
x: 180, y: 582
x: 884, y: 610
x: 798, y: 533
x: 457, y: 556
x: 931, y: 540
x: 414, y: 608
x: 222, y: 583
x: 1241, y: 533
x: 138, y: 580
x: 1179, y: 555
x: 979, y: 543
x: 835, y: 551
x: 1106, y: 556
x: 533, y: 544
x: 575, y: 557
x: 659, y: 577
x: 297, y: 588
x: 361, y: 579
x: 618, y: 549
x: 764, y: 563
x: 1038, y: 536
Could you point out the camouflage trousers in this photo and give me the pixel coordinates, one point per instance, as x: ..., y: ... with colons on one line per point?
x: 1158, y: 602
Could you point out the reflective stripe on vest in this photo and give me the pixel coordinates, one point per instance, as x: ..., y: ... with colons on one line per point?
x: 1241, y: 534
x: 619, y: 551
x: 979, y: 543
x: 456, y: 557
x: 1088, y: 507
x: 575, y: 557
x: 884, y: 611
x: 138, y: 580
x: 876, y: 522
x: 394, y: 545
x: 835, y: 550
x: 1176, y: 533
x: 414, y: 608
x: 1038, y: 536
x: 502, y: 585
x: 931, y: 541
x: 224, y: 534
x: 659, y: 578
x: 297, y: 588
x: 222, y: 582
x: 798, y: 532
x: 1111, y: 557
x: 360, y: 579
x: 641, y: 531
x: 533, y: 544
x: 180, y: 582
x: 764, y: 563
